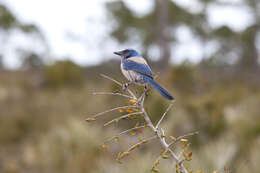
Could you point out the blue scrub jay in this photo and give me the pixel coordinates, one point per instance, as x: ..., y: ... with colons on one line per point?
x: 135, y: 68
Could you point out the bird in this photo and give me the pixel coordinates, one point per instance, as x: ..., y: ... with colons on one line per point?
x: 135, y: 68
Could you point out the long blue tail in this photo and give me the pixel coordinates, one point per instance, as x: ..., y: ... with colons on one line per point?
x: 158, y: 88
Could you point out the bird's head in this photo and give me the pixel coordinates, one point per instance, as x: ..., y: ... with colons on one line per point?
x: 127, y: 53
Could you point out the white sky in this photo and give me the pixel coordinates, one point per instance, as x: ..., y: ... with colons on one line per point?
x: 87, y: 20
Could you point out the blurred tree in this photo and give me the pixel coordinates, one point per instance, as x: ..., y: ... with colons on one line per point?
x: 9, y: 21
x: 154, y: 28
x: 1, y: 62
x: 239, y: 44
x: 32, y: 61
x: 11, y: 26
x: 163, y: 31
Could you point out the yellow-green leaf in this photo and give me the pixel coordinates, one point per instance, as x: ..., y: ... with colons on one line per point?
x: 184, y: 140
x: 156, y: 163
x: 90, y: 119
x: 117, y: 138
x: 104, y: 146
x: 119, y: 155
x: 163, y: 136
x: 132, y: 133
x: 155, y: 170
x: 173, y: 138
x: 165, y: 157
x: 132, y: 101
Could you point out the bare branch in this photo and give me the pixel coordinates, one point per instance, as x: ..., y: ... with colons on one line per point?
x: 110, y: 110
x: 128, y: 90
x: 183, y: 136
x: 146, y: 116
x: 110, y: 93
x: 161, y: 139
x: 143, y: 141
x: 167, y: 110
x: 109, y: 78
x: 126, y: 131
x: 122, y: 117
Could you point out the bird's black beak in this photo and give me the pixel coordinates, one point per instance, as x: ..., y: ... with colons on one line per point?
x: 120, y: 53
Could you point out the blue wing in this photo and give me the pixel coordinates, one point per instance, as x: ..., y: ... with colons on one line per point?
x: 137, y: 67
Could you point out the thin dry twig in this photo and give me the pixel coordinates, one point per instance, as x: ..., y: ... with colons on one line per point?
x: 128, y: 90
x: 109, y: 78
x: 122, y: 117
x: 143, y: 141
x: 110, y: 110
x: 123, y: 132
x: 110, y: 93
x: 167, y: 110
x: 183, y: 136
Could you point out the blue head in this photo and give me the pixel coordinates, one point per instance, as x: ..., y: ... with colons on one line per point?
x: 127, y: 53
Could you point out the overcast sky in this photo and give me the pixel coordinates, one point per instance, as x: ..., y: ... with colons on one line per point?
x: 61, y: 20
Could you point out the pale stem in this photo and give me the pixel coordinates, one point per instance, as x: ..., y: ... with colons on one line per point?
x: 161, y: 139
x: 122, y: 117
x: 167, y: 110
x: 141, y: 142
x: 183, y: 136
x: 110, y: 93
x: 110, y: 110
x: 128, y: 90
x: 126, y: 131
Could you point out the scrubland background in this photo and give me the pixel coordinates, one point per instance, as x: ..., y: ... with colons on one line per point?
x: 44, y: 101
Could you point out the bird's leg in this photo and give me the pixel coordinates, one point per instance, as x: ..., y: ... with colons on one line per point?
x: 125, y: 85
x: 146, y: 89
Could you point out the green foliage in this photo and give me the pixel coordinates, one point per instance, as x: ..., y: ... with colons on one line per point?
x: 129, y: 26
x: 183, y: 77
x: 143, y: 26
x: 224, y: 32
x: 32, y: 61
x: 63, y: 73
x: 7, y: 19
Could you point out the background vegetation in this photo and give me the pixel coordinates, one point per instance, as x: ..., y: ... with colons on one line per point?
x: 44, y: 105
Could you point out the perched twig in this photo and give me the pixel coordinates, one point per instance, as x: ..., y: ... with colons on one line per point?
x: 126, y: 131
x: 128, y: 90
x: 110, y: 93
x: 109, y: 78
x: 167, y: 110
x: 122, y: 117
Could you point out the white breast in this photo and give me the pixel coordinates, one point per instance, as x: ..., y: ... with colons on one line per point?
x: 129, y: 74
x: 133, y: 76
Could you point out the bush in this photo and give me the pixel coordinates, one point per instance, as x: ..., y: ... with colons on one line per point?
x: 63, y: 73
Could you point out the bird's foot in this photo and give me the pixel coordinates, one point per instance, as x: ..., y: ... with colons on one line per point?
x: 146, y: 89
x: 124, y: 86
